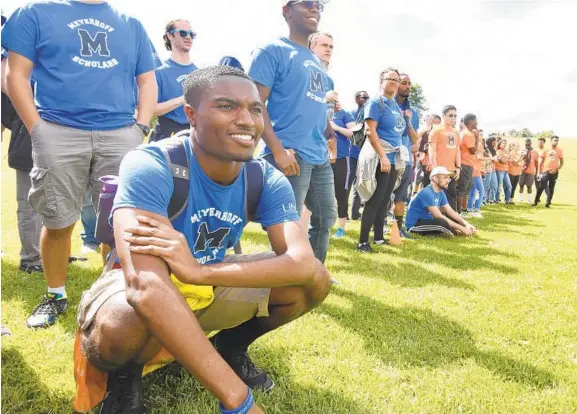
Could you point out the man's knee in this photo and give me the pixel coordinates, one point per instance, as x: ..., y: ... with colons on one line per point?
x: 58, y: 234
x: 320, y: 286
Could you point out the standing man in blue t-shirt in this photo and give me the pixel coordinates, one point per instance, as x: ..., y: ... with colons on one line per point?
x: 410, y: 138
x: 293, y: 83
x: 361, y: 98
x: 88, y: 58
x: 245, y: 296
x: 170, y: 76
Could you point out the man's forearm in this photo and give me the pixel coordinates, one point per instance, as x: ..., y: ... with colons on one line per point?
x: 168, y: 106
x: 413, y: 134
x: 268, y: 136
x: 20, y: 93
x: 147, y: 96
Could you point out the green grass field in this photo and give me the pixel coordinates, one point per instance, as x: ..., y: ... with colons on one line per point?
x: 480, y: 325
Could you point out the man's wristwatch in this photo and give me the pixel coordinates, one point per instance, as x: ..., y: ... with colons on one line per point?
x: 144, y: 128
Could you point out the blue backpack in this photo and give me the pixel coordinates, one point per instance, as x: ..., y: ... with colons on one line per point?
x: 177, y: 160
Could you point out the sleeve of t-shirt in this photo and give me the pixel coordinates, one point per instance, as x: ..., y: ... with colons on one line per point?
x: 158, y: 75
x: 349, y: 118
x: 263, y: 67
x: 277, y: 202
x: 415, y: 120
x: 427, y: 199
x: 144, y: 181
x: 373, y: 110
x: 147, y: 58
x: 20, y: 34
x: 444, y: 201
x: 331, y: 83
x: 469, y: 140
x: 560, y: 154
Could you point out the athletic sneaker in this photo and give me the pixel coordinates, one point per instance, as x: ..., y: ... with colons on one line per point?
x: 47, y: 312
x: 339, y: 233
x: 124, y: 392
x: 476, y: 214
x: 243, y: 366
x: 31, y: 268
x: 89, y: 248
x: 464, y: 214
x: 380, y: 242
x: 364, y: 248
x: 405, y: 235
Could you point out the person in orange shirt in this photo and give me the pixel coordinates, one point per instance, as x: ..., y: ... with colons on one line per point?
x: 477, y: 193
x: 444, y: 151
x: 551, y: 163
x: 530, y: 159
x: 515, y: 167
x: 468, y: 148
x: 423, y: 162
x: 502, y: 170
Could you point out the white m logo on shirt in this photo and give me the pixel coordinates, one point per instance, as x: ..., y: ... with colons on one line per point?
x: 90, y: 45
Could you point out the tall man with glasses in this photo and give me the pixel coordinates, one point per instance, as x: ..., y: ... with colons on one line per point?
x: 170, y: 76
x: 444, y: 151
x: 88, y: 59
x: 293, y: 83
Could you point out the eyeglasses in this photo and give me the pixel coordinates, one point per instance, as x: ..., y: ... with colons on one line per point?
x: 309, y: 4
x: 183, y: 33
x: 394, y: 80
x: 362, y: 97
x: 452, y: 116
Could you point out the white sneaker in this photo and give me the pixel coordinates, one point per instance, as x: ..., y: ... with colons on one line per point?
x: 89, y: 249
x: 476, y: 214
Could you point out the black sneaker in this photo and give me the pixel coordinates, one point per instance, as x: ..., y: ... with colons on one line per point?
x: 124, y: 392
x: 405, y: 234
x: 364, y: 248
x: 46, y: 313
x: 548, y: 205
x: 243, y: 366
x: 31, y: 268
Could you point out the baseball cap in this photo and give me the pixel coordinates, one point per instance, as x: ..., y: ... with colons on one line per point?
x: 441, y: 171
x: 231, y: 61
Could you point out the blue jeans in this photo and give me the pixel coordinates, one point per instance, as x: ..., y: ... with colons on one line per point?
x: 476, y: 187
x: 504, y: 181
x: 315, y: 188
x: 88, y: 218
x: 491, y: 186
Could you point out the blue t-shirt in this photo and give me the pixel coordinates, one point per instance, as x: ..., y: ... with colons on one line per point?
x: 355, y: 151
x: 415, y: 123
x: 418, y: 207
x: 342, y: 118
x: 86, y: 59
x: 170, y: 78
x: 296, y: 104
x: 214, y: 218
x: 390, y: 121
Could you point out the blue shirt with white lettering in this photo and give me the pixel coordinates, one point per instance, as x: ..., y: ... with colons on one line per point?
x: 418, y: 207
x: 342, y: 118
x: 415, y: 124
x: 214, y: 218
x: 390, y: 121
x: 296, y: 104
x: 355, y: 151
x: 170, y: 78
x: 86, y: 59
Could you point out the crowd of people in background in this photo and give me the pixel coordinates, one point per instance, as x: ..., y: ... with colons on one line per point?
x: 79, y: 92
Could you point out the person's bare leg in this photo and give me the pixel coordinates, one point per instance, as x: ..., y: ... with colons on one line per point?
x: 55, y: 253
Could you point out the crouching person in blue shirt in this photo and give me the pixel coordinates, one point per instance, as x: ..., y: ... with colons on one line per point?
x: 242, y: 296
x: 430, y: 213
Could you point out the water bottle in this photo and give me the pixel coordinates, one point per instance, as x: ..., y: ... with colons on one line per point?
x: 104, y: 231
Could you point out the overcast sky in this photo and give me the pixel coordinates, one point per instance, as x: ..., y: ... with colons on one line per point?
x: 513, y: 63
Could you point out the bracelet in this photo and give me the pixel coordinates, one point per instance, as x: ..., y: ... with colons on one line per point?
x: 241, y: 409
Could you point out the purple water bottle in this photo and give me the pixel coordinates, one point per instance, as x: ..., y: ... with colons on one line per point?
x: 104, y: 231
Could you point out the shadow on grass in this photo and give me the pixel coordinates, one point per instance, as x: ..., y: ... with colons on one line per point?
x: 22, y: 389
x: 21, y: 286
x: 409, y: 336
x: 172, y: 390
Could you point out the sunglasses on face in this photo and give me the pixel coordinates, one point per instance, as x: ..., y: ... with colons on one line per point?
x: 393, y: 80
x: 183, y: 33
x: 362, y: 97
x: 308, y: 4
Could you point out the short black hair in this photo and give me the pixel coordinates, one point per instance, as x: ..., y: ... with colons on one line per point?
x: 387, y: 70
x: 542, y: 139
x: 433, y: 116
x: 449, y: 108
x: 554, y: 136
x: 359, y: 93
x: 469, y: 118
x: 204, y: 78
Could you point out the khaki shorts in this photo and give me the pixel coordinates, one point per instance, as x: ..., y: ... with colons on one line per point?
x: 230, y: 307
x: 67, y: 161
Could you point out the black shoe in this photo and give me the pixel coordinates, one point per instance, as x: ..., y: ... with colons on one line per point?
x: 124, y: 392
x: 548, y: 205
x: 364, y: 248
x: 47, y: 312
x: 243, y: 366
x: 31, y: 268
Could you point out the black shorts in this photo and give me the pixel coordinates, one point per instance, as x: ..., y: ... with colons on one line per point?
x: 8, y: 112
x: 465, y: 180
x: 527, y: 180
x: 403, y: 189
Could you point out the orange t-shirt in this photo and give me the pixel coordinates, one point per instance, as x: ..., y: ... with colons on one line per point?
x: 502, y: 163
x: 515, y: 168
x: 552, y: 159
x: 447, y: 140
x: 467, y: 142
x: 532, y: 165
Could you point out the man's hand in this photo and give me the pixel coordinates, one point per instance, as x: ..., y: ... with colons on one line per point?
x: 157, y: 239
x: 332, y: 144
x: 385, y: 164
x: 409, y: 115
x: 333, y: 125
x: 471, y: 228
x: 286, y: 162
x: 457, y: 174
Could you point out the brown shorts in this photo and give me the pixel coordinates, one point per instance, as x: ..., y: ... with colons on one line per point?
x: 230, y: 307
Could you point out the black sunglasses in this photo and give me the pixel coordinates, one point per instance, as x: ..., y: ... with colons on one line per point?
x: 309, y: 4
x: 183, y: 33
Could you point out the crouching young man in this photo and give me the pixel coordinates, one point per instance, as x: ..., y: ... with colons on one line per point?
x: 131, y: 315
